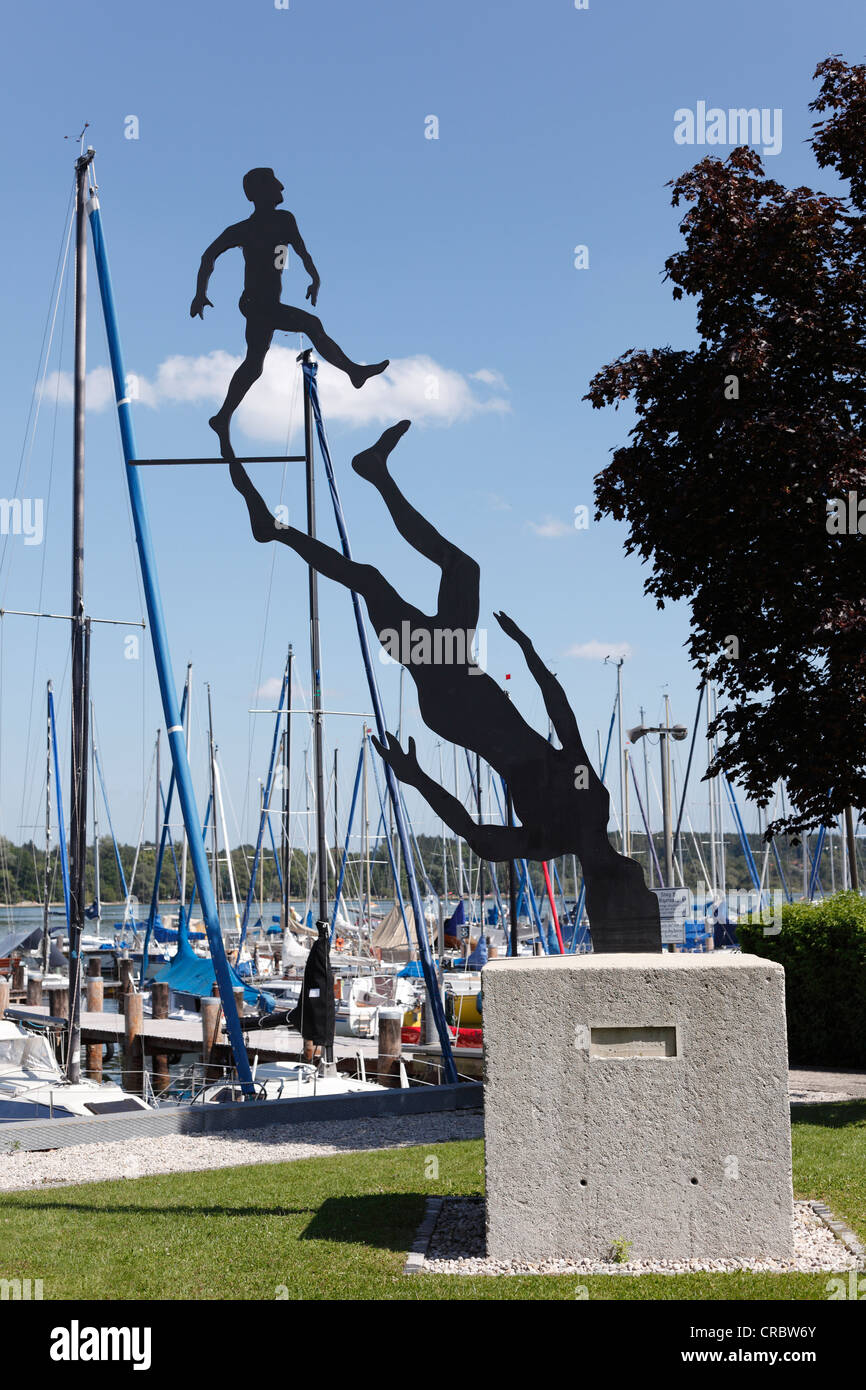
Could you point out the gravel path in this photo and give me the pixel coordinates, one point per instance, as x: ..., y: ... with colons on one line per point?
x: 184, y: 1153
x: 457, y: 1247
x: 821, y: 1083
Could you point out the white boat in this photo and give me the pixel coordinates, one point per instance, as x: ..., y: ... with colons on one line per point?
x: 362, y: 996
x: 33, y: 1087
x: 291, y: 1081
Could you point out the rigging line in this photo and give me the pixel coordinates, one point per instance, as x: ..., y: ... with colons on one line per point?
x: 63, y: 288
x: 42, y: 363
x: 140, y: 832
x: 142, y: 607
x: 293, y: 399
x: 227, y: 793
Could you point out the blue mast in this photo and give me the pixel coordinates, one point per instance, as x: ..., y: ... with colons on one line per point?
x: 159, y: 635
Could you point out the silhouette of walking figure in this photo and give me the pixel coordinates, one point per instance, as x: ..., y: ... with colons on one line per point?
x: 266, y: 237
x: 562, y: 805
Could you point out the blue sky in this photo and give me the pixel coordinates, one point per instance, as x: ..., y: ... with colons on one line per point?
x: 452, y: 256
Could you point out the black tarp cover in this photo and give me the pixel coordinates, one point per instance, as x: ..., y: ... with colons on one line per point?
x: 314, y: 1015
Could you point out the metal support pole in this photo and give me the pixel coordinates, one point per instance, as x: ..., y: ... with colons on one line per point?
x: 427, y: 964
x: 512, y: 877
x: 315, y: 664
x: 666, y: 811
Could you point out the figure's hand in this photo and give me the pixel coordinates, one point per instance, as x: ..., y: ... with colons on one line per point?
x: 403, y: 765
x: 313, y: 292
x: 196, y: 309
x: 509, y: 627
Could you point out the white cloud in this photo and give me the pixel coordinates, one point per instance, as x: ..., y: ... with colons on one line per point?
x: 551, y: 528
x: 489, y: 377
x: 98, y: 387
x: 597, y: 651
x: 497, y: 503
x: 270, y: 689
x: 417, y: 388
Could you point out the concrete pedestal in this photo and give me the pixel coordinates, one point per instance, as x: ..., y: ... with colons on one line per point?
x: 637, y: 1098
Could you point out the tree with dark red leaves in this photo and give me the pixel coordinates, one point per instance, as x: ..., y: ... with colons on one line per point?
x: 747, y: 462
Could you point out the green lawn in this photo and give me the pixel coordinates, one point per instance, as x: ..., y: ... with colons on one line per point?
x: 340, y: 1228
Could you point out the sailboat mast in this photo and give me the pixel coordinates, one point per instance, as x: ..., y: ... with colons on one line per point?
x: 459, y: 841
x: 78, y: 742
x: 336, y: 817
x: 287, y: 796
x: 97, y: 892
x: 215, y: 871
x: 46, y: 949
x: 182, y: 908
x: 480, y: 860
x: 365, y: 849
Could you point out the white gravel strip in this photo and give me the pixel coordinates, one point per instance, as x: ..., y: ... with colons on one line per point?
x: 184, y: 1153
x: 457, y: 1247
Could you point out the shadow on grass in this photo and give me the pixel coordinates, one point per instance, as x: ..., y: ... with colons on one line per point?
x: 162, y: 1209
x: 386, y: 1221
x: 830, y: 1115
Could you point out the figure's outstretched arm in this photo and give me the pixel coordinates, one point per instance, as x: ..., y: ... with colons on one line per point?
x: 224, y: 242
x: 559, y: 711
x: 296, y: 241
x: 496, y: 842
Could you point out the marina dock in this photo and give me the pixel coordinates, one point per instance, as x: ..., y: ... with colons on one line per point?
x: 182, y: 1035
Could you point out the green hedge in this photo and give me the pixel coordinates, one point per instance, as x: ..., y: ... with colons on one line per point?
x: 823, y: 949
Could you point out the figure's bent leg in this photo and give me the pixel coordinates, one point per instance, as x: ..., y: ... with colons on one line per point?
x: 291, y: 320
x: 385, y: 606
x: 259, y: 337
x: 459, y: 598
x: 492, y: 842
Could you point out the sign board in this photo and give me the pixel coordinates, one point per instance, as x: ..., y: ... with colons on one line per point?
x: 673, y: 909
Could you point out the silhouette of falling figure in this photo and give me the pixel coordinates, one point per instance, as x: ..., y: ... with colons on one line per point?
x: 265, y: 238
x: 562, y: 805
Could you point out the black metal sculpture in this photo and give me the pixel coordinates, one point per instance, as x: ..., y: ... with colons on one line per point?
x: 562, y: 805
x: 266, y: 237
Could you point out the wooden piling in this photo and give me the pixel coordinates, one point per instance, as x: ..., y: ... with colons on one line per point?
x: 159, y: 997
x: 95, y: 995
x: 133, y: 1049
x: 211, y: 1018
x: 124, y: 972
x: 34, y: 990
x: 58, y: 1001
x: 18, y: 974
x: 390, y: 1046
x: 4, y: 995
x: 94, y: 968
